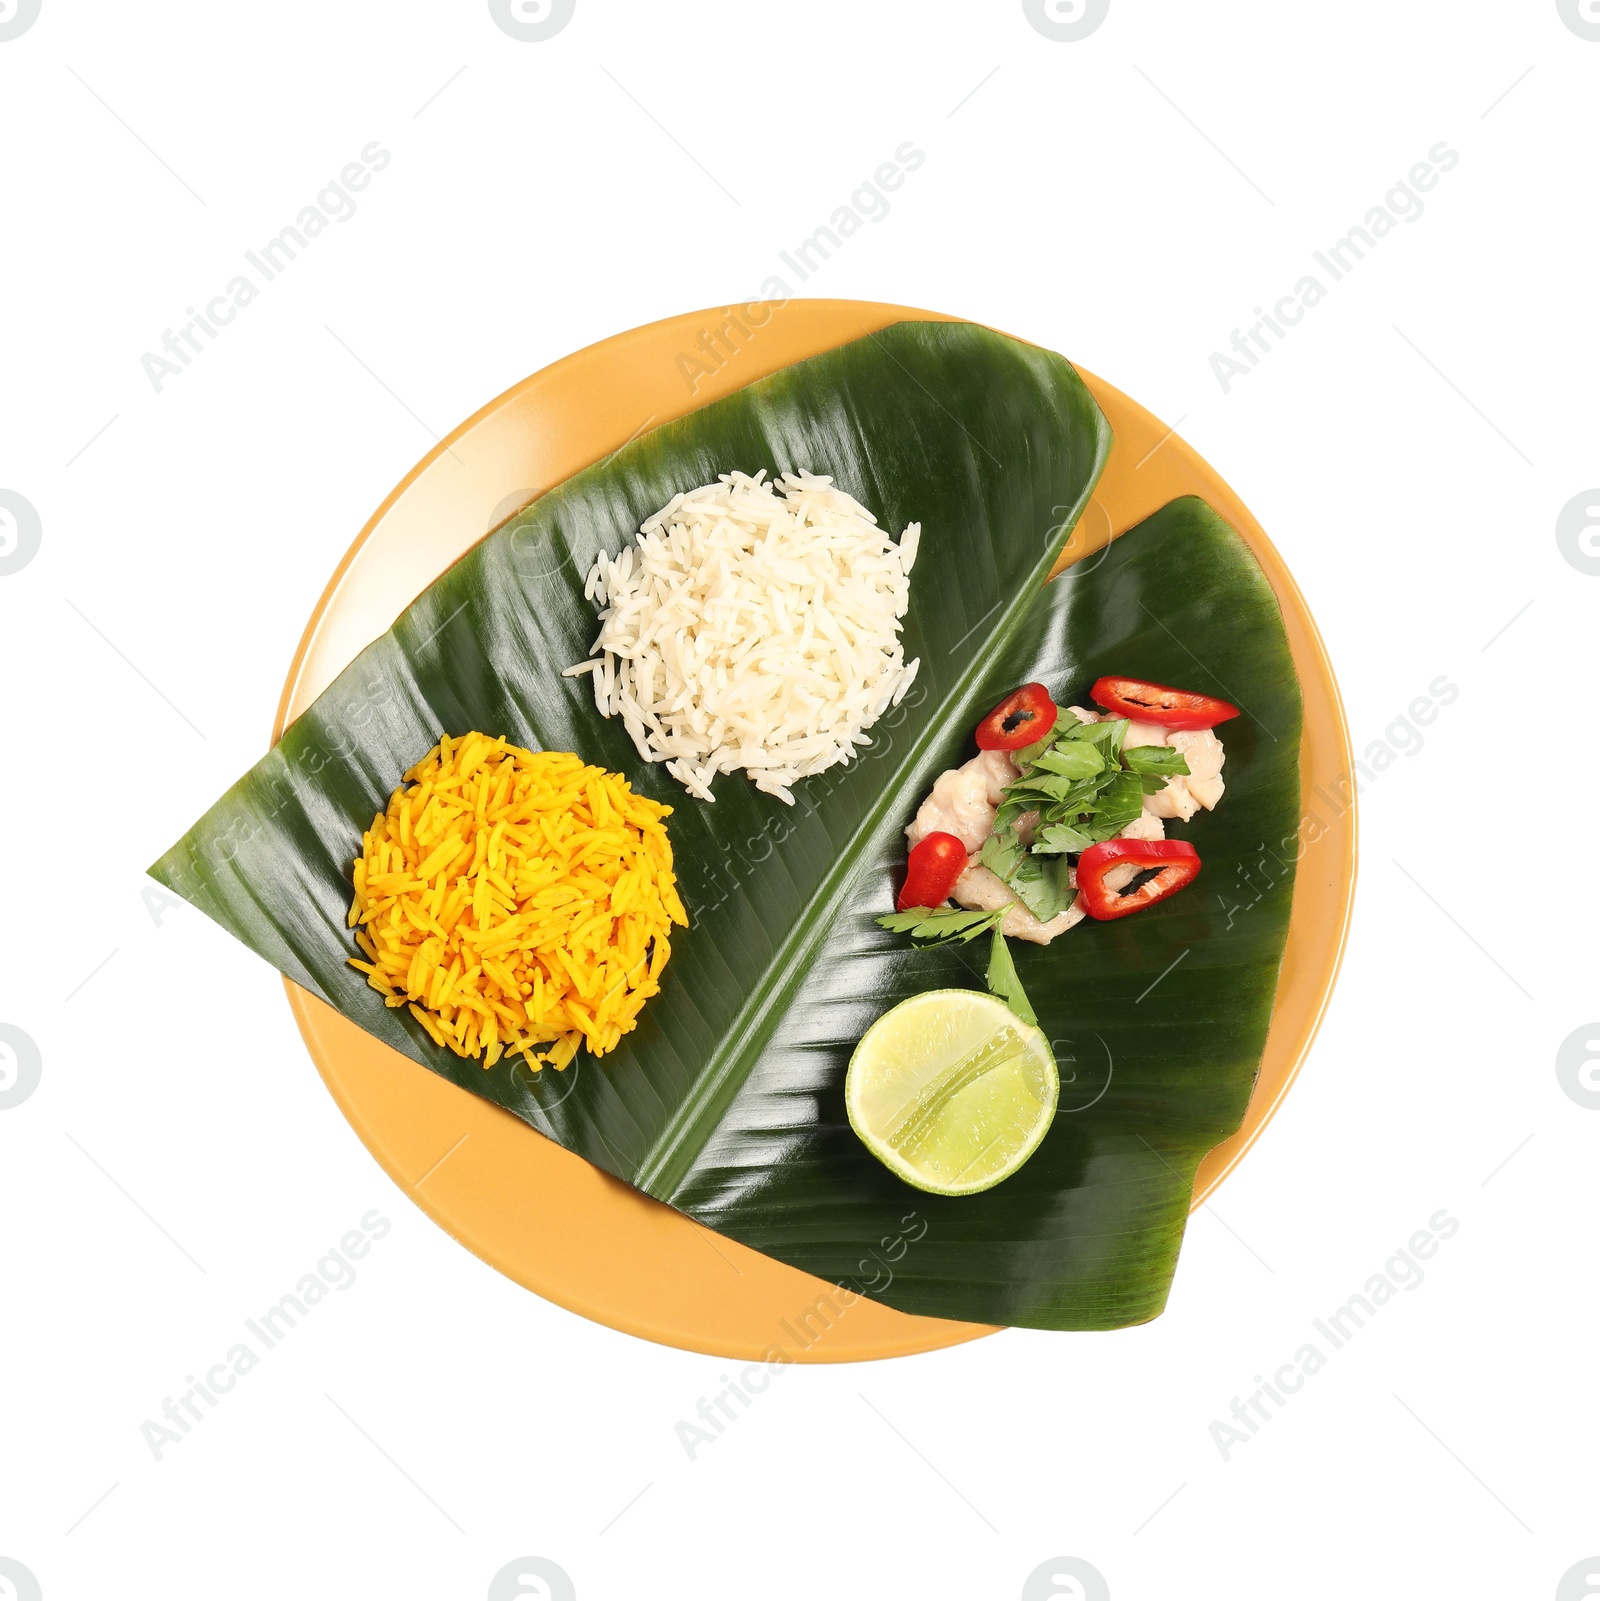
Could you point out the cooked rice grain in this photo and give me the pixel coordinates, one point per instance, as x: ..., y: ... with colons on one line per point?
x: 514, y: 900
x: 752, y: 629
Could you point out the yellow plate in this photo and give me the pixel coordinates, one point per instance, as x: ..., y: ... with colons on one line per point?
x: 545, y: 1217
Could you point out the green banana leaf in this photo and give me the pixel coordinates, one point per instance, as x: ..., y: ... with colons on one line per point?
x: 727, y: 1102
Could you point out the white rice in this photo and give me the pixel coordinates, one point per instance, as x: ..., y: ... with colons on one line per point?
x: 752, y: 628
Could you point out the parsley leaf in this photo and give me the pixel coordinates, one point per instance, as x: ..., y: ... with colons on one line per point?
x: 1009, y: 811
x: 1003, y: 981
x: 1073, y: 759
x: 1052, y: 838
x: 1119, y: 804
x: 1105, y: 737
x: 1002, y: 853
x: 1055, y: 787
x: 933, y: 924
x: 1029, y: 754
x: 1043, y: 884
x: 1162, y: 759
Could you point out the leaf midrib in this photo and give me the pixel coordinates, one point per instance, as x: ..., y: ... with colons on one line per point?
x: 668, y: 1158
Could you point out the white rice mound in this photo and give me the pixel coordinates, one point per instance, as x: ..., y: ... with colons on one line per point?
x: 753, y: 625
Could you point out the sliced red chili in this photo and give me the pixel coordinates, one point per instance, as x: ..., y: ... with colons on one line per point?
x: 1025, y: 715
x: 1160, y: 703
x: 1177, y: 865
x: 936, y: 862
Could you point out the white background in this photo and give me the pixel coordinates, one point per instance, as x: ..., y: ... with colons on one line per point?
x: 1409, y: 447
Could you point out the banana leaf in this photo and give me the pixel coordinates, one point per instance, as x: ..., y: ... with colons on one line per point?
x: 727, y: 1101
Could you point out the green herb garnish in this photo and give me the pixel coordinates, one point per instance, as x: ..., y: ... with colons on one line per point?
x: 1106, y: 737
x: 1003, y: 981
x: 935, y: 924
x: 1052, y: 839
x: 1002, y: 853
x: 1085, y: 788
x: 1043, y: 884
x: 1073, y: 759
x: 941, y: 925
x: 1118, y: 804
x: 1156, y: 764
x: 1025, y: 757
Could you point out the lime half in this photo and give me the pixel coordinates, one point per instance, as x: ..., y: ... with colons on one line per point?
x: 952, y: 1091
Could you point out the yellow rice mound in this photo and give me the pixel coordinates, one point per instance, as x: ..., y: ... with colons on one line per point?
x: 516, y: 900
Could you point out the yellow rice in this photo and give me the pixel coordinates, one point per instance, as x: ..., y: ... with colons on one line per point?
x: 516, y: 901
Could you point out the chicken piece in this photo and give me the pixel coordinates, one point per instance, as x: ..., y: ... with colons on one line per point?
x: 979, y: 890
x: 1202, y: 750
x: 1147, y: 825
x: 1174, y: 800
x: 1082, y: 715
x: 959, y: 805
x: 1183, y: 797
x: 964, y: 800
x: 997, y: 769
